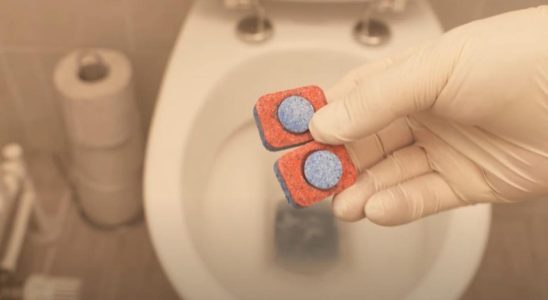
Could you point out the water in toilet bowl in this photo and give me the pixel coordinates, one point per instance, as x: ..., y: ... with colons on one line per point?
x: 305, y: 240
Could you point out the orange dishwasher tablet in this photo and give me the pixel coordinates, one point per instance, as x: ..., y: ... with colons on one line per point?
x: 314, y: 172
x: 282, y: 118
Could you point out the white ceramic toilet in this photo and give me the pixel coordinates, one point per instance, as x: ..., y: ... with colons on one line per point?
x: 217, y: 217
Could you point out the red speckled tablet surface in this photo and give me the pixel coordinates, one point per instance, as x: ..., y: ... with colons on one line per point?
x: 289, y: 169
x: 273, y: 135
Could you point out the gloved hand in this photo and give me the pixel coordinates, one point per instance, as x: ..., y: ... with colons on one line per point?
x: 460, y: 120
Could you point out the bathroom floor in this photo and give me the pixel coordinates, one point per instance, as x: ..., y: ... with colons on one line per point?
x: 515, y: 265
x: 121, y: 264
x: 113, y: 265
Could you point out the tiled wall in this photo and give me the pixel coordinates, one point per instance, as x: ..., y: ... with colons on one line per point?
x: 455, y: 12
x: 34, y: 34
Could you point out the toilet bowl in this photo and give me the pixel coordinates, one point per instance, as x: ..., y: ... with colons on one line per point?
x: 216, y: 214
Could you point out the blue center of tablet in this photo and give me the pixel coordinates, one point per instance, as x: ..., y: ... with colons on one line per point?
x: 323, y: 169
x: 294, y: 113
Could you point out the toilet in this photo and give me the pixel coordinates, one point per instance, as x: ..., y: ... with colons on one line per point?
x: 217, y: 217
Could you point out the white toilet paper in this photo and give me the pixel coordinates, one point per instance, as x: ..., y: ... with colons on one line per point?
x: 98, y: 102
x: 104, y: 132
x: 113, y: 165
x: 109, y: 205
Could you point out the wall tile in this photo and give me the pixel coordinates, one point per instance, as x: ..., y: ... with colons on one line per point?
x: 103, y: 23
x: 155, y: 25
x: 495, y: 7
x: 456, y: 12
x: 10, y: 130
x: 38, y: 23
x: 48, y: 62
x: 149, y: 70
x: 453, y: 13
x: 39, y: 113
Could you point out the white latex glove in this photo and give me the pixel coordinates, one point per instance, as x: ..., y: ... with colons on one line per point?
x: 460, y: 120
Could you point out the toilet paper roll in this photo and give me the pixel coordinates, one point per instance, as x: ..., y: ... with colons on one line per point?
x: 96, y: 90
x: 109, y: 205
x: 111, y: 166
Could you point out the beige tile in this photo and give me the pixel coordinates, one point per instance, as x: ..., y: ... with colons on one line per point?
x: 495, y: 7
x: 112, y: 265
x: 538, y: 207
x: 155, y: 24
x: 10, y: 125
x: 48, y: 62
x: 28, y: 23
x: 515, y: 264
x: 39, y: 113
x: 149, y: 69
x: 103, y: 23
x: 453, y: 13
